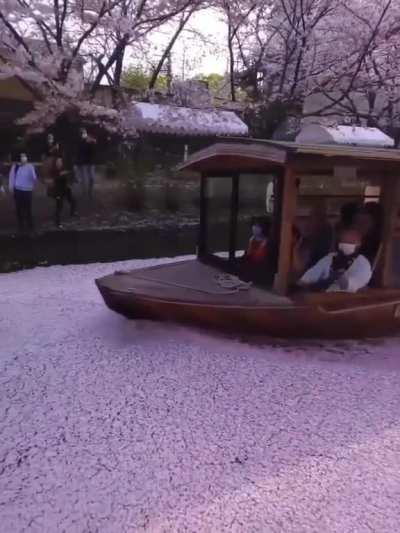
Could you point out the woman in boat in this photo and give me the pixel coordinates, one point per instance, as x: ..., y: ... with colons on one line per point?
x: 254, y: 263
x: 344, y: 270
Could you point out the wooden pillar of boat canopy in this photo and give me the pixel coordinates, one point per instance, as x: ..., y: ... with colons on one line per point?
x: 390, y: 199
x: 234, y: 217
x: 288, y: 202
x: 202, y: 239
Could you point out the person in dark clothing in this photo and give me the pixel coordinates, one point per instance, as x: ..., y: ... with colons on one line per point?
x: 52, y: 148
x: 85, y: 169
x: 348, y: 213
x: 51, y: 151
x: 318, y: 239
x: 368, y: 221
x: 61, y: 190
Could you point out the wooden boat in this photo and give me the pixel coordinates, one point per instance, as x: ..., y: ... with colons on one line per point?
x: 192, y: 292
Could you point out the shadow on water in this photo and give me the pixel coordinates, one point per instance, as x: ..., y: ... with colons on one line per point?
x: 79, y: 246
x: 87, y: 246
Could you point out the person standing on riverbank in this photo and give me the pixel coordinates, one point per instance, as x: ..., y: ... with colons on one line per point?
x: 51, y: 151
x: 60, y: 190
x: 85, y: 169
x: 22, y: 181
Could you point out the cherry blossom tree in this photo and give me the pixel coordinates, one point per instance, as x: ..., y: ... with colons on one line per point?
x: 278, y: 46
x: 242, y: 16
x: 336, y: 58
x: 343, y: 56
x: 364, y: 82
x: 56, y: 46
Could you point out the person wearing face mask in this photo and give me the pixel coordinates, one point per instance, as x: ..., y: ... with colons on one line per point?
x: 344, y: 270
x: 22, y: 180
x: 257, y: 248
x: 85, y: 163
x: 253, y: 262
x: 51, y: 152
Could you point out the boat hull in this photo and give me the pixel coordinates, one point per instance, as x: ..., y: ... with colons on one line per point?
x: 300, y: 320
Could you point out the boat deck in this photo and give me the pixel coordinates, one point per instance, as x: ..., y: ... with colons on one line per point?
x: 190, y: 281
x: 195, y: 282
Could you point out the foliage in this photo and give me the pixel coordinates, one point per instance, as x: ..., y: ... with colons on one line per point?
x: 138, y: 80
x: 214, y: 81
x: 266, y: 119
x: 56, y: 47
x: 343, y: 57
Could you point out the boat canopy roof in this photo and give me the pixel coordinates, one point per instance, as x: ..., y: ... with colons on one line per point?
x: 263, y: 156
x: 344, y: 135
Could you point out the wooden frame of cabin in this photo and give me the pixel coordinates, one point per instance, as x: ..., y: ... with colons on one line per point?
x: 288, y: 162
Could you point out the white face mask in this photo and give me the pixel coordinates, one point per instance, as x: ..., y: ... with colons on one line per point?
x: 24, y: 159
x: 84, y: 135
x: 257, y: 231
x: 347, y: 248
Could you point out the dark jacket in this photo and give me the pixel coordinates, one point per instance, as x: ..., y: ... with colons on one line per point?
x: 53, y: 150
x: 61, y: 182
x: 86, y: 152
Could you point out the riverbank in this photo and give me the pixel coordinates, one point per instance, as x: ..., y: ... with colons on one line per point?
x: 100, y: 236
x: 76, y: 246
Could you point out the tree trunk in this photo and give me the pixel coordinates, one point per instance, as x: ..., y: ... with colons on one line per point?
x: 168, y: 50
x: 231, y: 68
x: 103, y: 69
x: 118, y: 68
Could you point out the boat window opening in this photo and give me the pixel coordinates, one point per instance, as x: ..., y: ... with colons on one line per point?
x: 332, y: 200
x: 257, y: 213
x: 228, y: 227
x: 218, y: 215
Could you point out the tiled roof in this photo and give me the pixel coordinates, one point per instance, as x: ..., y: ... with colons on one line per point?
x: 174, y: 120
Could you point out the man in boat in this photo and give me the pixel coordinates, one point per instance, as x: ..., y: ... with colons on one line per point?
x: 345, y: 270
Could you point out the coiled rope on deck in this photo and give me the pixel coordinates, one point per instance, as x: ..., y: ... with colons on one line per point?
x: 232, y: 284
x: 227, y: 281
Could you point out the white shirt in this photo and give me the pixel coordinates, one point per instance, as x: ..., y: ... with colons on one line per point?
x: 22, y: 178
x: 358, y: 275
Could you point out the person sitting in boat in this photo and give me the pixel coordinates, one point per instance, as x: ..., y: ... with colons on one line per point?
x: 344, y: 270
x: 299, y: 258
x: 368, y: 221
x: 317, y: 240
x: 348, y: 213
x: 254, y: 261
